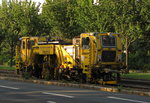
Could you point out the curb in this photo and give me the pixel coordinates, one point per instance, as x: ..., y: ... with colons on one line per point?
x: 85, y: 86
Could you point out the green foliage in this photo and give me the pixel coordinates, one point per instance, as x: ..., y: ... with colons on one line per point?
x: 68, y: 18
x: 17, y: 19
x: 139, y: 57
x: 53, y: 17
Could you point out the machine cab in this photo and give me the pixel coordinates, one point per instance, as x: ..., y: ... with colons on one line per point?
x: 100, y: 49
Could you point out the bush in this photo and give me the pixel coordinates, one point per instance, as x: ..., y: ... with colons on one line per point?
x: 139, y: 58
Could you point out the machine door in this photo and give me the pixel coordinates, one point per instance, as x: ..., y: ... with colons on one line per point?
x: 85, y: 54
x: 25, y: 49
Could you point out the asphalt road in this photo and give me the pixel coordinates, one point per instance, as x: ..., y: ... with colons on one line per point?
x: 22, y: 92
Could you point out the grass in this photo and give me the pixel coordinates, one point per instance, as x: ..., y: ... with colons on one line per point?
x: 137, y: 75
x: 7, y: 67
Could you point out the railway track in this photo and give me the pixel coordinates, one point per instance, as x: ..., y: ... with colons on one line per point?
x: 124, y: 83
x: 9, y: 73
x: 135, y: 83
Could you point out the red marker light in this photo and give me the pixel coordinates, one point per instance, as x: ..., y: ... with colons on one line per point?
x: 62, y: 66
x: 119, y: 50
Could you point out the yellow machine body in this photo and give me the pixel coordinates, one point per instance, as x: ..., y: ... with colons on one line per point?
x: 91, y: 57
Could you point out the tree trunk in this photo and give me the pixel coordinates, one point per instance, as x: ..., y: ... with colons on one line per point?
x: 127, y: 54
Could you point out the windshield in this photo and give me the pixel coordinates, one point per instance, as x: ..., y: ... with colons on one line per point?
x: 109, y: 41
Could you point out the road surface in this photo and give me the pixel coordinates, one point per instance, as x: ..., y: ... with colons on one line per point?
x: 22, y: 92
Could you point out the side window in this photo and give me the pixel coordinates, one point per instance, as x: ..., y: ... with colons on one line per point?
x: 23, y: 44
x: 86, y: 43
x: 32, y: 42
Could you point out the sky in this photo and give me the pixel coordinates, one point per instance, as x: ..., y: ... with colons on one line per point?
x: 41, y: 1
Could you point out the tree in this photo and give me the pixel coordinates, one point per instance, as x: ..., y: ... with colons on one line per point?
x: 53, y: 17
x: 129, y: 20
x: 17, y: 19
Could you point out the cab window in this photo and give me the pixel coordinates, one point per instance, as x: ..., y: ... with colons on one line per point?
x: 108, y: 41
x: 86, y: 43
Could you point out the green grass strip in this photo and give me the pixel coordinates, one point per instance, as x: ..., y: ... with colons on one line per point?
x: 6, y: 67
x: 137, y: 75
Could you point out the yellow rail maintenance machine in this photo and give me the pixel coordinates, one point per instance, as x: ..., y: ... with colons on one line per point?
x: 92, y: 57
